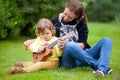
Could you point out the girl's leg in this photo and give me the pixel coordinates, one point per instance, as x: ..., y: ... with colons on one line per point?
x: 73, y: 52
x: 69, y: 61
x: 105, y: 51
x: 101, y: 51
x: 104, y: 46
x: 97, y: 57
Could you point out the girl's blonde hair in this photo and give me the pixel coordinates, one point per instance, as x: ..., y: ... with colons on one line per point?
x: 44, y: 24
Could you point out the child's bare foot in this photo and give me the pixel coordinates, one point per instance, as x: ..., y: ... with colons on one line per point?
x: 20, y: 63
x: 16, y: 70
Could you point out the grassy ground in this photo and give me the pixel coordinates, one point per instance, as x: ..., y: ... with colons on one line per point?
x: 12, y: 51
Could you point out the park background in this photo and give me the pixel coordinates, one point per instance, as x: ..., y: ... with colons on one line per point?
x: 18, y: 19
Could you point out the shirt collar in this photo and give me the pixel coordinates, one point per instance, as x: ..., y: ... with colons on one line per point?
x: 68, y: 23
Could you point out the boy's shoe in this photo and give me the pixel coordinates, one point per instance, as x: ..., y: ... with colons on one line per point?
x: 99, y: 73
x: 16, y: 70
x: 109, y: 71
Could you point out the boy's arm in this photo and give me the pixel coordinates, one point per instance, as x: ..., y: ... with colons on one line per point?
x: 27, y: 43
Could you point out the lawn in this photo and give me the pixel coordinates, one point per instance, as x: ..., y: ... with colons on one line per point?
x: 12, y: 51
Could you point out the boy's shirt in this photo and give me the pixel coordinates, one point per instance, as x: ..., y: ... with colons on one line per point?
x: 39, y: 42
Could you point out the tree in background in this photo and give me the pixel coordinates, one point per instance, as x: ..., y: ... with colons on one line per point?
x: 11, y: 20
x: 103, y: 10
x: 18, y: 17
x: 33, y: 10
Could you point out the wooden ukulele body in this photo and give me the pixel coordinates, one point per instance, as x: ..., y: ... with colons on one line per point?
x: 42, y: 56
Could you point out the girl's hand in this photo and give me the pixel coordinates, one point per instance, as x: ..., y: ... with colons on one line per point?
x: 81, y: 45
x: 62, y: 43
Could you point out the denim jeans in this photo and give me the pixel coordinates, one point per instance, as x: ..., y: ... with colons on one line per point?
x: 97, y: 57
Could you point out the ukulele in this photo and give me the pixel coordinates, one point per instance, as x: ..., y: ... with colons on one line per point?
x: 48, y: 48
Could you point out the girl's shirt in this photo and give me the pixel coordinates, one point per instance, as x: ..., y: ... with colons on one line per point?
x: 40, y: 42
x: 81, y: 29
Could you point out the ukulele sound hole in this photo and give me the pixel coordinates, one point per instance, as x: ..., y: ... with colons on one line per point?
x: 36, y: 55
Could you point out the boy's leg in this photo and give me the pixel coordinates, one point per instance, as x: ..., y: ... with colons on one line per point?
x: 42, y: 65
x: 23, y: 64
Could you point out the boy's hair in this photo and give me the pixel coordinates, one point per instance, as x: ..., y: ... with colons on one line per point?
x: 44, y: 24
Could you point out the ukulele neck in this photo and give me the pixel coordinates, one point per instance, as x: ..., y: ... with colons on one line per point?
x: 52, y: 44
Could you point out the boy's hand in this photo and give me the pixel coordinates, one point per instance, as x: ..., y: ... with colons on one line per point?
x: 41, y: 49
x: 27, y: 43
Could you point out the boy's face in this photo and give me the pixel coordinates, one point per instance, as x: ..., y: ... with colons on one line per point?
x: 68, y: 15
x: 46, y: 35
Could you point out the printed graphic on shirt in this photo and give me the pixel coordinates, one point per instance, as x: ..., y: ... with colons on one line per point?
x: 64, y: 29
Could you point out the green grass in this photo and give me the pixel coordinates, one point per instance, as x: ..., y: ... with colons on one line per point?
x: 12, y: 51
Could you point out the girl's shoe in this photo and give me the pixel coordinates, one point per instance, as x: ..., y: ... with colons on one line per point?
x: 99, y: 73
x: 109, y: 71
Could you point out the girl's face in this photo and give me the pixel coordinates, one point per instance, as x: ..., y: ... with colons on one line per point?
x: 46, y: 35
x: 68, y: 15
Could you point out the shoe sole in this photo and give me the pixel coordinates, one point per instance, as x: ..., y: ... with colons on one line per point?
x: 110, y: 71
x: 98, y: 73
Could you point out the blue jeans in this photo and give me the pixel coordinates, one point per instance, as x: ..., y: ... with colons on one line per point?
x: 97, y: 57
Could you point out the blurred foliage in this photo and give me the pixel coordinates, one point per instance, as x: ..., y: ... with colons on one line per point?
x: 19, y: 17
x: 11, y: 20
x: 103, y: 10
